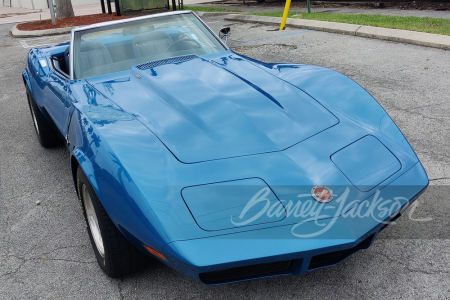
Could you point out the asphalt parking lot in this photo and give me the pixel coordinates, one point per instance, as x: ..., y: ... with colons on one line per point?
x: 45, y: 250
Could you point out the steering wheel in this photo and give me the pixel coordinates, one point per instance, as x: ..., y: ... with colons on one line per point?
x: 185, y: 40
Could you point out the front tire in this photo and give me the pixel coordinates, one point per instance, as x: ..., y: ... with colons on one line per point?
x: 116, y: 256
x: 46, y: 134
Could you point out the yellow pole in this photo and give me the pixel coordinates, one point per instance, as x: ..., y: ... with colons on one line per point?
x: 285, y: 14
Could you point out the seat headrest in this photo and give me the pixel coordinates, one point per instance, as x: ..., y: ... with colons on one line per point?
x: 151, y: 36
x: 87, y: 46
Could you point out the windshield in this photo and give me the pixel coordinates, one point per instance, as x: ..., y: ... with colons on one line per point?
x: 118, y: 47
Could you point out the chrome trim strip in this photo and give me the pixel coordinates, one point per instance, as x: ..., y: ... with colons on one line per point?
x: 72, y: 34
x: 210, y: 30
x: 131, y: 20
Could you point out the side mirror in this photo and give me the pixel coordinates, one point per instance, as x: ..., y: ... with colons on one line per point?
x: 223, y: 33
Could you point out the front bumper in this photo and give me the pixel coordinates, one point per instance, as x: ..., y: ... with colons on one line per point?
x: 277, y: 251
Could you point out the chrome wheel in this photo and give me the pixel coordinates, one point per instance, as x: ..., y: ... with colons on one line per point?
x: 115, y: 255
x: 33, y: 114
x: 92, y: 220
x: 47, y: 135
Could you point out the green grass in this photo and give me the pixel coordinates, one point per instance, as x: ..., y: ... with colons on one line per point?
x: 430, y: 25
x: 209, y: 9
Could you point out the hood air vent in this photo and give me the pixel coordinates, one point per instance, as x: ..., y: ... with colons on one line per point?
x: 166, y: 61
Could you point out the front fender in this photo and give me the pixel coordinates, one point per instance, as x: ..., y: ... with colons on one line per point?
x: 350, y: 102
x: 26, y: 79
x: 98, y: 131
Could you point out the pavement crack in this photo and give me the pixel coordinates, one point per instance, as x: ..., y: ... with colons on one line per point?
x: 17, y: 269
x: 441, y: 178
x: 21, y: 196
x: 24, y: 260
x: 357, y: 29
x: 413, y: 111
x: 431, y: 153
x: 56, y: 249
x: 412, y: 270
x: 62, y: 259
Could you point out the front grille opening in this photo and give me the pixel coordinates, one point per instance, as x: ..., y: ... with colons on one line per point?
x: 327, y: 259
x: 245, y: 272
x: 332, y: 258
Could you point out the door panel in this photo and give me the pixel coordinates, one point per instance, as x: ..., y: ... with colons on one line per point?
x: 55, y: 98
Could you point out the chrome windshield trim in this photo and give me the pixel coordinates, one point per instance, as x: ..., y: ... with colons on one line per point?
x: 131, y: 20
x: 211, y: 31
x: 72, y: 34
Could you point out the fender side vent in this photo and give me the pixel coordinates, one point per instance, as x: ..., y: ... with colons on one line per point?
x: 166, y: 61
x: 245, y: 272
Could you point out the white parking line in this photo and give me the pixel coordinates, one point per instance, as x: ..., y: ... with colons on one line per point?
x: 35, y: 42
x: 24, y: 44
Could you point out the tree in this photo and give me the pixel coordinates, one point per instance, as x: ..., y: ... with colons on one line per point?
x: 64, y: 9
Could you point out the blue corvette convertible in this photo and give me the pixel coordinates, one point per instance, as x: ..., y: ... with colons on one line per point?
x: 220, y: 166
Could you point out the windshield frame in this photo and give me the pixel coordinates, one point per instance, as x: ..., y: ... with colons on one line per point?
x: 104, y: 24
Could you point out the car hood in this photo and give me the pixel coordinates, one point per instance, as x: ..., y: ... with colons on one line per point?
x: 201, y: 110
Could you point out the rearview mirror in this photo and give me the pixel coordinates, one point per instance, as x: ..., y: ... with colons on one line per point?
x: 223, y: 33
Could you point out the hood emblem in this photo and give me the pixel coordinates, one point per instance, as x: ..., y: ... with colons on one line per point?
x: 322, y: 194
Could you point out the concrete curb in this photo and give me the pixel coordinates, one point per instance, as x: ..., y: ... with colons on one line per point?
x: 395, y: 35
x: 37, y: 33
x: 210, y: 14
